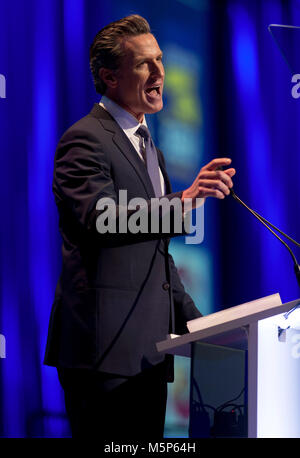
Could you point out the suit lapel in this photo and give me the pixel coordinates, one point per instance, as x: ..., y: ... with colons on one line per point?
x: 125, y: 146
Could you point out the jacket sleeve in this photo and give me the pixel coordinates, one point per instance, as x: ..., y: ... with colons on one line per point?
x: 83, y: 175
x: 184, y: 306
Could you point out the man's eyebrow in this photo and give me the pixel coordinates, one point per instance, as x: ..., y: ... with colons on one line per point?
x: 141, y: 58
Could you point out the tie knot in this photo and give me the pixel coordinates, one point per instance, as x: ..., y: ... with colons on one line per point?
x: 144, y: 132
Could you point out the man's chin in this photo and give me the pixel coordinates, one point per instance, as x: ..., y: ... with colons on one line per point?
x: 154, y: 108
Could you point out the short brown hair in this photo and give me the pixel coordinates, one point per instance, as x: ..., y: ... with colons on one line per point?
x: 106, y: 50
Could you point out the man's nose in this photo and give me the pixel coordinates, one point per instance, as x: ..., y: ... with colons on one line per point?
x: 157, y: 69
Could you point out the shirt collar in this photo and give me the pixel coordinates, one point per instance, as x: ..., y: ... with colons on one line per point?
x: 126, y: 121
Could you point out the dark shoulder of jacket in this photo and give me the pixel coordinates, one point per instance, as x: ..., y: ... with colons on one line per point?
x: 88, y: 132
x: 88, y: 126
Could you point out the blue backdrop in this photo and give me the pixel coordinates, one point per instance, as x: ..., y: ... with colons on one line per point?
x: 228, y: 92
x: 259, y: 127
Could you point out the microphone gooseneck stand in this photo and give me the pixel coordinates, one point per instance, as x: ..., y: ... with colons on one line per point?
x: 266, y: 223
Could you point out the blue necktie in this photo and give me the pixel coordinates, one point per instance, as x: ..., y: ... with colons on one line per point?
x: 151, y: 159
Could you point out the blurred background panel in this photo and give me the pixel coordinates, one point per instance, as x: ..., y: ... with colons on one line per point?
x: 227, y: 93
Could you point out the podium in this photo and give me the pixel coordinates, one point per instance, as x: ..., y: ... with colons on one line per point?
x: 245, y: 370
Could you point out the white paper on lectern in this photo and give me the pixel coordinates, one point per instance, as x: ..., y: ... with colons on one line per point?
x: 234, y: 313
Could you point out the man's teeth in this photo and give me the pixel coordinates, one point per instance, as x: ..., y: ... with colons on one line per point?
x: 151, y: 89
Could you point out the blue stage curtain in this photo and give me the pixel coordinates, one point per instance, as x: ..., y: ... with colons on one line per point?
x: 259, y: 121
x: 44, y: 57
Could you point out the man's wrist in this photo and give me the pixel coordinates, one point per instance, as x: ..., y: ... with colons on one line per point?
x: 189, y: 203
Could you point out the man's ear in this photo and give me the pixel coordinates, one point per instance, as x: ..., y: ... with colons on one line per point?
x: 108, y: 77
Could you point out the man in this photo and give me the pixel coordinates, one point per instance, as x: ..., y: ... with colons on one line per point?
x: 119, y: 293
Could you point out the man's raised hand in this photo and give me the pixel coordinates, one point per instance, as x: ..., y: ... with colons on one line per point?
x: 211, y: 181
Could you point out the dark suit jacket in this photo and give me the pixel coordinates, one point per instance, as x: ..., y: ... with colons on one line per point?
x: 118, y: 294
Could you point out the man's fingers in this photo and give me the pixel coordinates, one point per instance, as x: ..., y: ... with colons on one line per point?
x: 216, y: 175
x: 218, y: 162
x: 208, y: 192
x: 230, y: 172
x: 215, y: 184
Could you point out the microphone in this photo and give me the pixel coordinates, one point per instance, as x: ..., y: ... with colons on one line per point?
x: 266, y: 223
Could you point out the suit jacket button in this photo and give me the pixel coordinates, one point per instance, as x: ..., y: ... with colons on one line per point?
x: 166, y: 286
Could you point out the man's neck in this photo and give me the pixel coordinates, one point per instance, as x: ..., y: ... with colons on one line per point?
x: 138, y: 116
x: 122, y: 116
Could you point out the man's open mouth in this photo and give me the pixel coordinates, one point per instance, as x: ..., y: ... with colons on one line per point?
x: 154, y: 90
